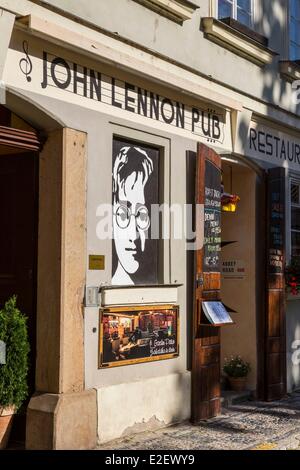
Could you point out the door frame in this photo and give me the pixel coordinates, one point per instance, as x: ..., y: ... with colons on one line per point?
x: 59, y: 381
x: 22, y: 142
x: 261, y: 273
x: 261, y: 226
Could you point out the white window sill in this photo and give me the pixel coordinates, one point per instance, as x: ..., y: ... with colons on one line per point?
x: 292, y: 297
x: 177, y: 10
x: 237, y: 42
x: 289, y: 70
x: 139, y: 295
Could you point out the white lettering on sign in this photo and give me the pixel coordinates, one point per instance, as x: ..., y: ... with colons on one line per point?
x: 272, y: 146
x: 163, y: 346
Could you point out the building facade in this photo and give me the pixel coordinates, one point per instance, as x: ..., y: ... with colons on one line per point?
x: 109, y: 110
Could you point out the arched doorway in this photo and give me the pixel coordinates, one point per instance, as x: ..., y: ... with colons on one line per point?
x: 240, y: 285
x: 19, y: 150
x: 59, y: 392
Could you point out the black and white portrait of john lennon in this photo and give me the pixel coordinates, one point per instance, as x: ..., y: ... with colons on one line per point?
x: 135, y: 189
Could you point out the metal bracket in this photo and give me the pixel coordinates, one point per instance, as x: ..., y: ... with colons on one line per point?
x: 92, y: 296
x: 199, y: 280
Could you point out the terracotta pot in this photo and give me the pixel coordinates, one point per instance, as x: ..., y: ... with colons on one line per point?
x: 238, y: 384
x: 6, y: 419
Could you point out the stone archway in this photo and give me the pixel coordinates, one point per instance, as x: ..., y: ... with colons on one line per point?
x: 61, y: 414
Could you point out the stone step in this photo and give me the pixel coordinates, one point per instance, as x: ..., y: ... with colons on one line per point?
x: 230, y: 397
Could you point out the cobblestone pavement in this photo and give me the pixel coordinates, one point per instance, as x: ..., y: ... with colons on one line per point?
x: 248, y: 425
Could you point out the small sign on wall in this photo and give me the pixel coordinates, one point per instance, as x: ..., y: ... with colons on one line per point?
x: 233, y: 269
x: 97, y: 262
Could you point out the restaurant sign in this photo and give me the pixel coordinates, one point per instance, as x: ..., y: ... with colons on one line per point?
x: 138, y: 334
x: 273, y: 146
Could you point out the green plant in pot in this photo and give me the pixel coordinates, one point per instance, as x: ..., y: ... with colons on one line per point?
x: 14, y: 370
x: 237, y: 371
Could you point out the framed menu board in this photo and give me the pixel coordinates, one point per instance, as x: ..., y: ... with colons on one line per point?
x: 276, y: 224
x: 139, y: 333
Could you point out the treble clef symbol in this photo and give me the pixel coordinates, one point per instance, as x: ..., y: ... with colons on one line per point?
x: 25, y: 63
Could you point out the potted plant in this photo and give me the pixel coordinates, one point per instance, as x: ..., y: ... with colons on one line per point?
x: 237, y: 370
x: 13, y: 372
x: 292, y: 276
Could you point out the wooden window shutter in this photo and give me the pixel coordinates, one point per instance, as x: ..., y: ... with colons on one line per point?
x: 19, y: 139
x: 275, y: 335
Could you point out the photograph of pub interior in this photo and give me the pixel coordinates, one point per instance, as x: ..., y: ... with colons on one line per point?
x: 143, y: 334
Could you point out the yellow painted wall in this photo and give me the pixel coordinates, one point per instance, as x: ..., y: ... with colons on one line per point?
x: 239, y: 294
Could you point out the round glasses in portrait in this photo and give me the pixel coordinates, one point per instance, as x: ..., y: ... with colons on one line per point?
x: 131, y: 220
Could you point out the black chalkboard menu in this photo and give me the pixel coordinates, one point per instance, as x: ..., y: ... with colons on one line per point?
x: 276, y: 222
x: 212, y: 218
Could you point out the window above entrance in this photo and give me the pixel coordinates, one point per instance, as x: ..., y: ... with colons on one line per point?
x: 295, y: 217
x: 231, y: 25
x: 294, y: 30
x: 240, y: 10
x: 290, y: 69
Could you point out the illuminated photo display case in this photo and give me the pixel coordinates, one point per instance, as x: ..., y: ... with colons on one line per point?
x: 133, y: 334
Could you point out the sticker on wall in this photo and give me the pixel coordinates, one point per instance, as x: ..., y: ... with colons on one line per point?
x: 97, y: 262
x: 233, y: 269
x: 135, y: 191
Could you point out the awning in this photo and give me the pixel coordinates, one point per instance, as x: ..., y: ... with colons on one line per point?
x: 17, y: 138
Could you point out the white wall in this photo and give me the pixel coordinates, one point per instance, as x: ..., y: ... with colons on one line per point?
x: 142, y: 405
x: 166, y: 381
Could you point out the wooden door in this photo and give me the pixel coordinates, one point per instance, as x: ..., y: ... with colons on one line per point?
x: 18, y: 201
x: 275, y: 336
x: 206, y: 390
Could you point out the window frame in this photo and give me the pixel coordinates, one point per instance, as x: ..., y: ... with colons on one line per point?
x: 289, y: 18
x: 235, y: 9
x: 293, y: 179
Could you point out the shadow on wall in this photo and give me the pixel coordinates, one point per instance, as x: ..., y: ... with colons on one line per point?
x: 273, y: 27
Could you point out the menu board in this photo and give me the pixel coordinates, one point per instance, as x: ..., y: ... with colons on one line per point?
x: 212, y: 218
x: 276, y: 226
x: 138, y: 334
x: 216, y: 313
